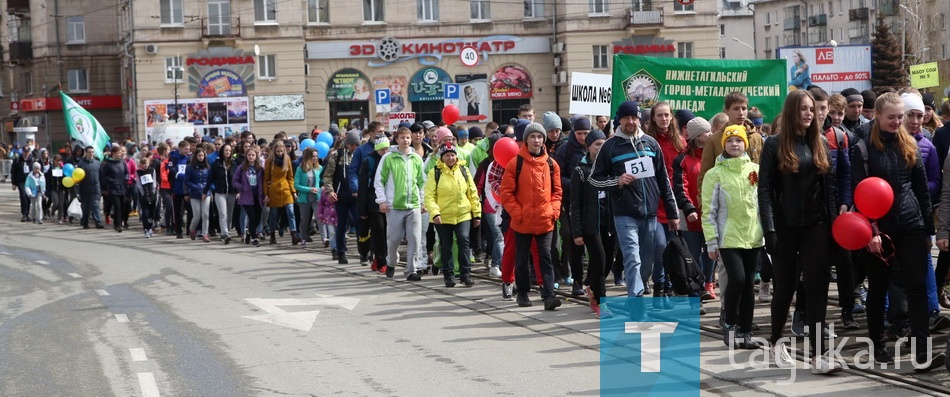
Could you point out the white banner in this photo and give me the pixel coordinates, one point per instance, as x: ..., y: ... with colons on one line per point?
x: 832, y: 68
x: 396, y: 118
x: 590, y: 93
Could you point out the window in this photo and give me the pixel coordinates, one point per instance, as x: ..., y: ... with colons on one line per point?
x: 75, y: 30
x: 78, y: 80
x: 318, y: 11
x: 684, y: 50
x: 171, y: 11
x: 831, y: 9
x: 265, y: 11
x: 722, y: 53
x: 28, y: 82
x: 267, y: 67
x: 768, y: 43
x: 840, y: 9
x: 600, y: 57
x: 722, y: 30
x: 599, y: 7
x: 173, y: 69
x: 428, y: 10
x: 642, y: 5
x: 373, y: 11
x: 219, y: 17
x: 768, y: 17
x: 943, y: 51
x: 481, y: 10
x: 533, y: 9
x: 677, y: 7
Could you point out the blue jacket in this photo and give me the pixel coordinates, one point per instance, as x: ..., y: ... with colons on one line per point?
x: 839, y: 144
x: 353, y: 171
x: 196, y: 180
x: 641, y: 198
x: 176, y: 162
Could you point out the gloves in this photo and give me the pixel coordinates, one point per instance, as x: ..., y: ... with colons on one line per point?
x: 771, y: 243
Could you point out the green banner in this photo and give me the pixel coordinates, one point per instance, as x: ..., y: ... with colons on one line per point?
x: 699, y: 85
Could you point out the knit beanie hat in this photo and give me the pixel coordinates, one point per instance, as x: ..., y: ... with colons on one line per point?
x: 532, y: 128
x: 352, y: 138
x: 582, y: 124
x: 735, y: 130
x: 520, y: 125
x: 428, y: 124
x: 628, y: 108
x: 912, y: 102
x: 446, y: 148
x: 683, y: 116
x: 442, y: 134
x: 594, y: 136
x: 869, y: 98
x: 475, y: 133
x: 929, y: 101
x: 416, y: 127
x: 334, y: 129
x: 381, y: 142
x: 463, y: 134
x: 696, y: 127
x: 551, y: 121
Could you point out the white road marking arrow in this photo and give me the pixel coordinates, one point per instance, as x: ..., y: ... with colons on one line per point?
x: 302, y: 320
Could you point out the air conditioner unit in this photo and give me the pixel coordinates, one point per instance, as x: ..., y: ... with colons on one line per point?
x: 557, y: 62
x: 557, y: 48
x: 151, y: 49
x: 559, y: 79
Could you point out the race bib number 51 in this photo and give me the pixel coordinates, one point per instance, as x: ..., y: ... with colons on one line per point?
x: 641, y: 167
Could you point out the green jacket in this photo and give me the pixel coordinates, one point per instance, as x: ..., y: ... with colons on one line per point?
x: 479, y: 154
x: 400, y: 180
x: 730, y: 204
x: 303, y: 185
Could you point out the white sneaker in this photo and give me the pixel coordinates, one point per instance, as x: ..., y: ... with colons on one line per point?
x: 494, y: 272
x: 823, y: 365
x: 765, y: 292
x: 781, y: 357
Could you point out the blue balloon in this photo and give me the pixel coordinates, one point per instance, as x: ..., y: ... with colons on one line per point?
x: 68, y: 170
x: 322, y: 150
x: 326, y: 137
x: 306, y: 144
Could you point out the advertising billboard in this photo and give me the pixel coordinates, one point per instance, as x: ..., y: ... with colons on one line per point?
x: 831, y: 68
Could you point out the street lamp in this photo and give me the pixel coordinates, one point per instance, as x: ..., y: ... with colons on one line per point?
x: 736, y: 39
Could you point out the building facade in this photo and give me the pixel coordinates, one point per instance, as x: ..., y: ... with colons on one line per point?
x: 736, y: 29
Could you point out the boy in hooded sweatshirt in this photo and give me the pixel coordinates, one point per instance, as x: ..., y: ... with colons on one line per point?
x: 35, y: 188
x: 398, y: 185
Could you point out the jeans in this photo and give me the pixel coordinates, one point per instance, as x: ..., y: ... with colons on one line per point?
x: 90, y: 206
x: 546, y: 266
x: 697, y: 247
x: 146, y: 214
x: 36, y: 207
x: 346, y: 213
x: 225, y: 204
x: 56, y: 205
x: 497, y: 241
x: 24, y: 200
x: 306, y: 217
x: 405, y: 224
x: 461, y: 233
x: 180, y: 207
x: 203, y: 207
x: 633, y: 233
x: 275, y: 215
x: 660, y: 237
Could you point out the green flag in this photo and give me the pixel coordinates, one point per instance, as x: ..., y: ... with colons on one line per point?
x: 699, y: 85
x: 83, y: 126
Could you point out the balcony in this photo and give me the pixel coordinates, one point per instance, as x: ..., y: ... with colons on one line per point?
x: 858, y: 14
x: 645, y: 18
x: 888, y: 8
x: 793, y: 23
x: 18, y: 6
x: 818, y: 20
x: 21, y: 50
x: 220, y: 27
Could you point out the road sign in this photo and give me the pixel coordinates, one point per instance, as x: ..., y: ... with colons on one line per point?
x: 452, y: 94
x: 383, y: 100
x: 469, y: 56
x: 301, y: 320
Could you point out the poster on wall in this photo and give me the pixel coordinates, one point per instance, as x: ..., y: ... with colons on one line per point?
x: 221, y: 83
x: 473, y: 101
x: 278, y: 107
x: 237, y: 112
x: 210, y: 116
x: 832, y: 68
x: 397, y: 94
x: 220, y: 72
x: 348, y: 85
x: 511, y: 82
x: 426, y: 85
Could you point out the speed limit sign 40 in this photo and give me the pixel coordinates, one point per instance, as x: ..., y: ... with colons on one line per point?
x: 469, y: 56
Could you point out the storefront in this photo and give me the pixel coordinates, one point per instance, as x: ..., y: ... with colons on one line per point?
x: 348, y: 94
x: 47, y: 115
x: 415, y: 71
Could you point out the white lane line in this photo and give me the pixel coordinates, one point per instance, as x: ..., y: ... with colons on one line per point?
x: 43, y: 262
x: 122, y: 318
x: 102, y: 292
x: 5, y: 253
x: 138, y: 354
x: 147, y: 383
x: 75, y: 275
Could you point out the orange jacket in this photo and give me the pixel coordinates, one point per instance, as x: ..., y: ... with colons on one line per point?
x: 532, y: 201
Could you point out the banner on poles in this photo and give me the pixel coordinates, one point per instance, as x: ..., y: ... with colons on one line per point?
x: 83, y: 126
x: 699, y: 85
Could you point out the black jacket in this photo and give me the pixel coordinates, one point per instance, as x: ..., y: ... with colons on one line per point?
x: 221, y: 178
x: 801, y: 199
x: 911, y: 211
x: 114, y: 177
x: 366, y: 196
x: 590, y: 214
x: 568, y: 155
x: 90, y: 185
x: 641, y: 198
x: 17, y: 176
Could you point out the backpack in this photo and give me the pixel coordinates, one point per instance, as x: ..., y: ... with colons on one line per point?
x: 681, y: 268
x: 438, y: 174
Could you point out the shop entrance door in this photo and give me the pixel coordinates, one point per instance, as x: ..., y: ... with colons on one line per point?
x: 503, y: 110
x: 347, y: 114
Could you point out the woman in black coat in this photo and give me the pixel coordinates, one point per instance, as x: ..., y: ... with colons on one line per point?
x: 113, y: 180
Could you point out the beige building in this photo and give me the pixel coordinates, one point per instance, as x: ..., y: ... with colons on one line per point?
x: 72, y: 44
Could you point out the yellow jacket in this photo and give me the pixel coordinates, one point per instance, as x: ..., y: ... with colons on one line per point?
x: 454, y: 196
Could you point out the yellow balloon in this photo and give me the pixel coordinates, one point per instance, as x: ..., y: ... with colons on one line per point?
x: 68, y: 182
x: 78, y: 175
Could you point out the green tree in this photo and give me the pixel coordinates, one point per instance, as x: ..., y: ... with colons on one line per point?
x: 887, y: 64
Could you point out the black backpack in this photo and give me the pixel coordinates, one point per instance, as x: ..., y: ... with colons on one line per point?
x: 681, y: 268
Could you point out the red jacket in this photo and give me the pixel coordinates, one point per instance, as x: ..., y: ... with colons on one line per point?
x: 669, y: 154
x: 534, y: 199
x: 686, y: 186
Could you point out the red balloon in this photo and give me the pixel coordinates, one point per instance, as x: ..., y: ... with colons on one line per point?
x: 505, y: 150
x: 852, y: 231
x: 874, y: 197
x: 450, y: 114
